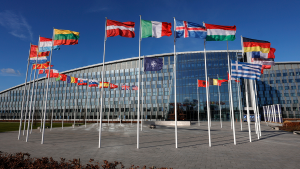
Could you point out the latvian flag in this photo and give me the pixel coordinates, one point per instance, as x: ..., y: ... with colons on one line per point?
x: 115, y: 28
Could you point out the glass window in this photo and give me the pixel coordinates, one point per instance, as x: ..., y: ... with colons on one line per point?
x: 297, y: 80
x: 284, y: 74
x: 288, y: 109
x: 291, y: 73
x: 293, y: 87
x: 266, y: 75
x: 284, y: 81
x: 286, y: 87
x: 295, y: 101
x: 291, y: 80
x: 271, y: 81
x: 272, y: 75
x: 293, y: 94
x: 286, y: 94
x: 278, y: 81
x: 278, y: 74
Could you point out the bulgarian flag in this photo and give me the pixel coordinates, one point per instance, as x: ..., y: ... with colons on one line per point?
x: 155, y: 29
x: 220, y: 33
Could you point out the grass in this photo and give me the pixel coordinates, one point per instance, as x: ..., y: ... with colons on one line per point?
x: 14, y: 126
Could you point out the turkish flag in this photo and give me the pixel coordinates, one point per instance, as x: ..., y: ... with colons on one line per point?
x: 201, y: 83
x: 113, y: 86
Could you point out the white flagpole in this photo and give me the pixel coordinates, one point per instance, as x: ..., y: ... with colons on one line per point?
x: 62, y: 122
x: 100, y: 127
x: 42, y: 111
x: 142, y: 102
x: 43, y: 133
x: 257, y: 108
x: 23, y: 98
x: 219, y: 102
x: 34, y: 103
x: 27, y: 102
x: 53, y: 105
x: 175, y: 93
x: 75, y: 109
x: 87, y: 89
x: 207, y: 100
x: 239, y: 97
x: 138, y: 110
x: 198, y: 103
x: 233, y: 125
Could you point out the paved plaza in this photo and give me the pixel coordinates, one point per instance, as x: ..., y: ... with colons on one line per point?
x: 276, y: 149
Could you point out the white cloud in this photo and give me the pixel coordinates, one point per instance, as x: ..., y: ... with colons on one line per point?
x: 9, y: 72
x: 16, y: 24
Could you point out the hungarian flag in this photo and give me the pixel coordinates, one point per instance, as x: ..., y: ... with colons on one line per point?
x: 115, y: 28
x: 220, y: 33
x: 53, y: 73
x: 255, y: 45
x: 201, y: 83
x: 65, y: 37
x: 41, y: 66
x: 113, y: 86
x: 265, y: 67
x: 106, y: 84
x: 155, y: 29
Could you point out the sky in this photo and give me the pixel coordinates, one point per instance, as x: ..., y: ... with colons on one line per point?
x: 22, y: 22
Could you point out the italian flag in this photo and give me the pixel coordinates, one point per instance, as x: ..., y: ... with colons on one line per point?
x: 155, y: 29
x: 220, y: 33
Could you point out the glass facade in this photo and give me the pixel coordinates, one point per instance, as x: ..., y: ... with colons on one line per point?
x: 158, y: 90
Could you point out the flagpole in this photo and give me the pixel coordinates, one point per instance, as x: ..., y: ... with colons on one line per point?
x: 27, y: 102
x: 42, y: 112
x: 239, y: 97
x: 198, y: 102
x: 142, y: 117
x: 62, y: 122
x: 219, y: 101
x: 42, y: 142
x: 34, y: 103
x: 23, y: 98
x: 174, y: 70
x: 100, y: 128
x: 139, y: 74
x: 53, y: 104
x: 87, y: 89
x: 76, y: 103
x: 233, y: 125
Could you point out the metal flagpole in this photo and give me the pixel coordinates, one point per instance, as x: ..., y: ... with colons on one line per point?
x: 62, y: 122
x: 27, y: 102
x: 198, y: 103
x: 248, y: 114
x: 175, y: 102
x: 34, y: 103
x: 142, y: 102
x: 76, y: 104
x: 87, y: 89
x: 32, y: 92
x: 239, y: 97
x: 100, y: 128
x: 257, y: 109
x: 233, y: 125
x: 207, y: 100
x: 139, y: 74
x: 23, y: 98
x: 42, y: 112
x: 53, y: 104
x: 219, y: 102
x: 43, y: 133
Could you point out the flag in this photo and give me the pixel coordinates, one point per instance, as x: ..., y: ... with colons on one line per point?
x: 261, y: 55
x: 39, y: 60
x: 106, y: 84
x: 68, y: 79
x: 231, y: 78
x: 153, y: 64
x: 262, y: 61
x: 46, y: 45
x: 250, y: 45
x: 61, y: 77
x: 212, y: 81
x: 41, y: 71
x: 34, y: 50
x: 41, y: 66
x: 201, y: 83
x: 58, y: 78
x: 74, y: 80
x: 134, y: 87
x: 93, y: 83
x: 220, y: 81
x: 155, y: 29
x: 115, y: 28
x: 53, y: 73
x: 113, y: 86
x: 65, y: 37
x: 220, y: 33
x: 81, y: 82
x: 187, y: 29
x: 124, y: 87
x: 265, y: 67
x: 245, y: 70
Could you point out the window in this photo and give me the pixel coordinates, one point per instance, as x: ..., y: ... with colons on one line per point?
x: 291, y: 73
x: 277, y: 81
x: 266, y: 75
x: 291, y: 80
x: 278, y: 74
x: 271, y: 81
x: 272, y: 75
x: 293, y: 87
x: 284, y: 74
x: 286, y: 94
x: 280, y: 87
x: 293, y: 94
x: 288, y: 109
x: 286, y: 87
x: 284, y: 80
x: 297, y: 80
x: 288, y: 102
x: 295, y: 101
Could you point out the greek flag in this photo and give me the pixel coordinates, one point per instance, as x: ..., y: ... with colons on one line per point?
x: 245, y: 70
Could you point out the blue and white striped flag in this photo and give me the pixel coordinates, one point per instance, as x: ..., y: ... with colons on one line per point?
x: 245, y: 70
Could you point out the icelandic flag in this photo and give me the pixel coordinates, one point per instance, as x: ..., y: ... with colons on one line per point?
x: 124, y: 87
x: 82, y: 82
x: 46, y: 44
x: 185, y: 29
x: 261, y: 55
x: 93, y: 83
x: 153, y: 64
x: 245, y: 70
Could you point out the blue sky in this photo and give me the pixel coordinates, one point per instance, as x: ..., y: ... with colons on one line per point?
x: 21, y: 23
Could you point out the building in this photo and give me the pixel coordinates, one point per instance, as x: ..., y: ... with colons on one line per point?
x: 158, y: 90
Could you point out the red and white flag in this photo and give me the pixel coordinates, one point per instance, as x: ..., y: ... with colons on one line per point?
x: 53, y: 73
x: 115, y: 28
x: 41, y: 71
